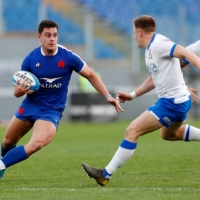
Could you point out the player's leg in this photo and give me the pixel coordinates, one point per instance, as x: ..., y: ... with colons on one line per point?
x: 144, y: 124
x: 174, y: 132
x: 177, y: 131
x: 181, y: 132
x: 43, y: 133
x: 15, y: 131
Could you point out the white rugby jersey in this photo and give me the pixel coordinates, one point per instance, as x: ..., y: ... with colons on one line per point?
x: 165, y: 69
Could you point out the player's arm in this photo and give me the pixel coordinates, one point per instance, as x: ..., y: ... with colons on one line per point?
x: 99, y: 86
x: 181, y: 52
x: 146, y: 87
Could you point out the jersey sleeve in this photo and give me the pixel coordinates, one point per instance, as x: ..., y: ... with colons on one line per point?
x: 25, y: 64
x: 76, y: 62
x: 166, y: 48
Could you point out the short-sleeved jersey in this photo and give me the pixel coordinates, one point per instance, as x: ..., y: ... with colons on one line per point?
x: 164, y: 68
x: 195, y: 48
x: 54, y: 73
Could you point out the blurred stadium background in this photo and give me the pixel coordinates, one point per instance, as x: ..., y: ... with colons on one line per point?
x: 101, y: 33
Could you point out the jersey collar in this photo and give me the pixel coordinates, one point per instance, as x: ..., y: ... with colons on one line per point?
x: 152, y: 39
x: 52, y: 55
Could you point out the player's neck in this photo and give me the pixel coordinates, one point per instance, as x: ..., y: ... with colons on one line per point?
x: 47, y: 52
x: 148, y: 39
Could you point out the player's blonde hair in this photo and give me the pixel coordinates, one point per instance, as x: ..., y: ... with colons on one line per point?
x: 145, y: 22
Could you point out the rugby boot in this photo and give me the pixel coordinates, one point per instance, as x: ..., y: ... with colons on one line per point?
x: 96, y: 174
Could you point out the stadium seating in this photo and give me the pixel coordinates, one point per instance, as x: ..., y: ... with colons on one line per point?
x: 177, y: 19
x: 22, y: 16
x: 167, y: 14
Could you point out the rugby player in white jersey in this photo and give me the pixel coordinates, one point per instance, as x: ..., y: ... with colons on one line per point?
x: 174, y: 99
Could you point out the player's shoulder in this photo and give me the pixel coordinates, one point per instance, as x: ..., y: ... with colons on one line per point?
x: 159, y: 38
x: 36, y: 51
x: 161, y: 42
x: 67, y: 52
x: 64, y: 49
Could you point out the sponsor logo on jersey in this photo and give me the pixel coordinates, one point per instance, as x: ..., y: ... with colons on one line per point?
x: 152, y: 68
x: 49, y: 83
x: 61, y: 64
x: 38, y: 65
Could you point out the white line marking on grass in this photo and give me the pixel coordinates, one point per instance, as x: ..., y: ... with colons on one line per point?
x: 109, y: 189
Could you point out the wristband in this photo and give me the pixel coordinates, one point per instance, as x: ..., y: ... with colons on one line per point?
x: 109, y: 95
x: 133, y: 94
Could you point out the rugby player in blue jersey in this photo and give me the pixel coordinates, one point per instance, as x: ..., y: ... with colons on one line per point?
x: 174, y: 99
x: 53, y: 65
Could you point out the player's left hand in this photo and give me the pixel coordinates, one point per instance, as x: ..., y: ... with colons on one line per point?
x: 115, y: 103
x: 193, y: 92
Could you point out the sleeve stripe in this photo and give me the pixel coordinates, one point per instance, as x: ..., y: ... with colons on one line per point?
x: 172, y: 50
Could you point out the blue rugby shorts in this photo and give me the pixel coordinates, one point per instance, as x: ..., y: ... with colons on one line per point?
x: 30, y: 111
x: 167, y: 112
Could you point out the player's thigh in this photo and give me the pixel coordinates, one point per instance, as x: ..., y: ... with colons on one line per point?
x: 43, y: 131
x: 172, y: 132
x: 143, y: 124
x: 16, y: 130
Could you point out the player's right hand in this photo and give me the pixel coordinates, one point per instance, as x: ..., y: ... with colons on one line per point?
x: 123, y: 96
x: 21, y: 88
x: 115, y: 103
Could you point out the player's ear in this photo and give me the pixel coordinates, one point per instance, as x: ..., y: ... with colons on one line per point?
x: 141, y: 33
x: 38, y: 36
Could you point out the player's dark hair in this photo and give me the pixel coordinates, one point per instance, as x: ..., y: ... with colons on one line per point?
x: 145, y: 22
x: 46, y: 24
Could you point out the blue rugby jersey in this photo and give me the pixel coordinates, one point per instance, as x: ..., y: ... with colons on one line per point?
x: 54, y: 73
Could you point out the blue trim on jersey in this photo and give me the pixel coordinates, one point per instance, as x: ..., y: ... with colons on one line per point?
x: 128, y: 145
x: 152, y: 39
x: 187, y: 134
x: 185, y: 61
x: 172, y: 50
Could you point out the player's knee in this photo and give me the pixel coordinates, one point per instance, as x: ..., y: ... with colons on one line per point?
x: 131, y: 134
x: 7, y: 143
x: 36, y: 146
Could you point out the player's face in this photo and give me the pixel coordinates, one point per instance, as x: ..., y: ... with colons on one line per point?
x: 49, y: 39
x: 137, y: 36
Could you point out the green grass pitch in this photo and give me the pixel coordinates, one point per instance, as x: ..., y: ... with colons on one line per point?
x: 158, y: 170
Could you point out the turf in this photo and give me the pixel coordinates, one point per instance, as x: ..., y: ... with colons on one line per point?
x: 158, y: 170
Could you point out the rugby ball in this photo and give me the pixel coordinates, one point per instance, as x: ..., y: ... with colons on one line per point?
x: 29, y: 77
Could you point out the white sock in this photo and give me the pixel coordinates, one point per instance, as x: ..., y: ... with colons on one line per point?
x: 124, y: 152
x: 191, y: 133
x: 2, y: 166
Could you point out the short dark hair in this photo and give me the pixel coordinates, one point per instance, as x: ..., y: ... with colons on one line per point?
x: 46, y: 24
x: 145, y: 22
